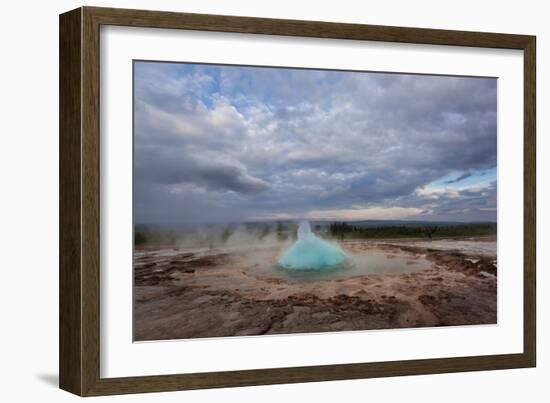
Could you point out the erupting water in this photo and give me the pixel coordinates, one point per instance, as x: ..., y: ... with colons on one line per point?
x: 311, y: 253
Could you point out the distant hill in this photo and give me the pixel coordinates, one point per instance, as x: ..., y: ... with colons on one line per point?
x: 211, y: 234
x: 321, y: 223
x: 399, y: 223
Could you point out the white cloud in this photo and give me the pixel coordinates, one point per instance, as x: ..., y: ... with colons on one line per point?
x: 371, y: 213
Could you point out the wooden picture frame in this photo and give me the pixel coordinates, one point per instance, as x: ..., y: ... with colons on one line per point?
x: 79, y: 346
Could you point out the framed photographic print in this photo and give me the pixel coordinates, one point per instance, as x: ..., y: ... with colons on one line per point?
x: 249, y: 201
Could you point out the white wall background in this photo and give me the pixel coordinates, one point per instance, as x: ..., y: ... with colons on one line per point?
x: 29, y: 202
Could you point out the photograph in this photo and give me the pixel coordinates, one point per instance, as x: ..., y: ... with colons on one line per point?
x: 279, y: 200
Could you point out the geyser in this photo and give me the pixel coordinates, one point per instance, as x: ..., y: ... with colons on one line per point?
x: 311, y: 253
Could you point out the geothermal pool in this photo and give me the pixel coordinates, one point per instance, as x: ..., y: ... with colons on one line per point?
x: 373, y: 261
x: 311, y: 258
x: 261, y: 262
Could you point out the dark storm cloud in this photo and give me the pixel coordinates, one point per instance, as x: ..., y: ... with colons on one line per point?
x: 461, y: 177
x: 169, y: 167
x: 257, y: 142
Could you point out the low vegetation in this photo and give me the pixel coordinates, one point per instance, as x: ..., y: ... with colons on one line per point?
x: 346, y: 231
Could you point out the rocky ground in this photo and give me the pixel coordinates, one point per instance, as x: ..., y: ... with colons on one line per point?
x: 233, y: 292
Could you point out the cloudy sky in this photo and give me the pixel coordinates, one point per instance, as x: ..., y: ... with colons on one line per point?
x: 228, y: 143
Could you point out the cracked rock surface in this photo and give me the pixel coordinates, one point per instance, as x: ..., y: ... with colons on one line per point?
x: 229, y: 292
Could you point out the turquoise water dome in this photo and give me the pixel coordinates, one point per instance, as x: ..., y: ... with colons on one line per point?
x: 311, y: 253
